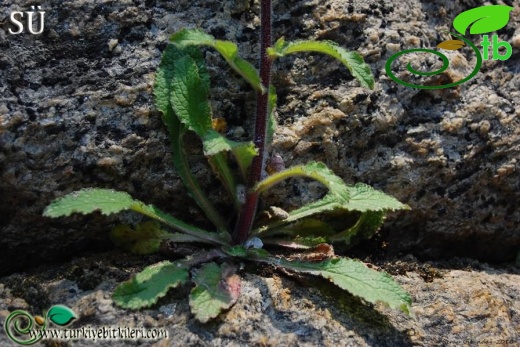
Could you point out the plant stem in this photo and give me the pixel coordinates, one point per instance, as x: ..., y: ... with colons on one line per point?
x: 247, y: 216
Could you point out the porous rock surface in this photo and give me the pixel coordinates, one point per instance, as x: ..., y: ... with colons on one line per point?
x: 456, y: 303
x: 76, y: 111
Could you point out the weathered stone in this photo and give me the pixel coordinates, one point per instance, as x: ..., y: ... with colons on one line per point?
x: 455, y: 303
x: 76, y: 111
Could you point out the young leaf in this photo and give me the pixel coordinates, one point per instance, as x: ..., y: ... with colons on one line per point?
x: 109, y: 201
x: 189, y: 96
x: 162, y: 91
x: 354, y: 277
x: 61, y: 315
x: 151, y: 284
x: 244, y: 152
x: 189, y: 100
x: 483, y: 19
x: 227, y: 49
x: 145, y: 239
x: 353, y: 61
x: 217, y: 289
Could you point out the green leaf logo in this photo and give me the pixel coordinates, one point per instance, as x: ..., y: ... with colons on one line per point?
x: 61, y: 315
x: 482, y: 20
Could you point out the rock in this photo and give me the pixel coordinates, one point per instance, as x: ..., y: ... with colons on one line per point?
x: 458, y: 302
x: 76, y: 111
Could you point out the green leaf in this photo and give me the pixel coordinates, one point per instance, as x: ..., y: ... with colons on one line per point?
x: 145, y: 239
x: 189, y: 96
x: 356, y: 278
x: 61, y: 315
x: 353, y: 61
x: 217, y: 289
x: 189, y: 100
x: 89, y: 200
x: 360, y: 198
x: 365, y: 198
x: 109, y: 201
x: 483, y: 20
x: 162, y: 92
x: 238, y: 251
x: 244, y: 152
x: 151, y: 284
x: 367, y: 225
x: 227, y: 49
x: 315, y: 170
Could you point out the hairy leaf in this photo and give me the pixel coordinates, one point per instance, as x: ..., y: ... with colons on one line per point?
x: 360, y: 197
x: 109, y: 201
x: 356, y: 278
x: 483, y: 20
x: 145, y: 239
x: 189, y: 99
x: 244, y: 152
x: 227, y: 49
x: 162, y: 92
x: 352, y: 60
x: 365, y: 198
x: 189, y: 96
x: 151, y: 284
x: 367, y: 225
x: 217, y: 289
x: 88, y: 200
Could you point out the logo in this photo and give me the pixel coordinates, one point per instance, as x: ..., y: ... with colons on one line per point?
x: 30, y: 15
x: 480, y: 20
x: 24, y: 329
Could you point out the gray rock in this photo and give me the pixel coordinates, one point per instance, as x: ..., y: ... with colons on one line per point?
x: 76, y: 111
x: 456, y: 303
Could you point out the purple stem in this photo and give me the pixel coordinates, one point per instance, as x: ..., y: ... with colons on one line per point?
x: 247, y: 216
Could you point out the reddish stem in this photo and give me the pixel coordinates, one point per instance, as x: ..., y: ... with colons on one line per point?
x: 247, y: 216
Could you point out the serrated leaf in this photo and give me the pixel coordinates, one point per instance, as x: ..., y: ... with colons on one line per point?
x: 353, y: 61
x: 244, y: 152
x: 189, y: 96
x: 88, y: 200
x: 162, y: 92
x: 365, y: 198
x: 145, y: 239
x: 217, y: 289
x: 109, y: 201
x: 227, y: 49
x: 61, y: 315
x: 451, y: 45
x: 340, y: 197
x: 189, y: 100
x: 483, y: 20
x: 151, y: 284
x: 367, y: 225
x: 356, y: 278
